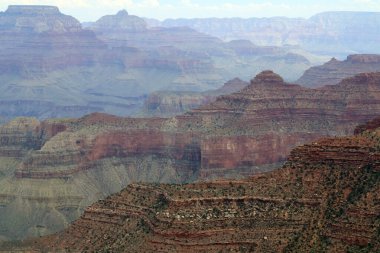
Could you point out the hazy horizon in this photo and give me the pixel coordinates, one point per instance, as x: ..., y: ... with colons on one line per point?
x: 91, y: 10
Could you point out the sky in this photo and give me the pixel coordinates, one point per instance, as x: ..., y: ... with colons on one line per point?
x: 91, y: 10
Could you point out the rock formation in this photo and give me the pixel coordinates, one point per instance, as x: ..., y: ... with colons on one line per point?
x: 324, y: 199
x: 121, y: 21
x: 335, y: 71
x: 65, y: 165
x: 50, y: 67
x: 167, y: 104
x: 39, y: 19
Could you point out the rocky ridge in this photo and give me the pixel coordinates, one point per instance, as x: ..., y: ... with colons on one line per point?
x: 168, y: 104
x: 324, y: 199
x: 332, y: 33
x: 79, y: 161
x: 335, y: 71
x: 121, y: 21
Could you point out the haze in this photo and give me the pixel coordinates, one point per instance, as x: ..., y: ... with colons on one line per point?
x: 91, y: 10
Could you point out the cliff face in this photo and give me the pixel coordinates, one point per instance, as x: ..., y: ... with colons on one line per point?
x: 65, y: 165
x: 324, y: 199
x: 334, y: 71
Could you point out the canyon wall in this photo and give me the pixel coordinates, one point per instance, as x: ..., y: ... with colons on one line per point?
x: 59, y: 167
x: 324, y: 199
x: 51, y: 67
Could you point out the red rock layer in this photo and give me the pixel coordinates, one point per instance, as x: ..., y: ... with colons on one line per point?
x: 369, y: 126
x: 238, y: 135
x: 324, y: 199
x: 245, y: 132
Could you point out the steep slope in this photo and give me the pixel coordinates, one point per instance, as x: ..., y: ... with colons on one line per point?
x: 333, y: 33
x: 79, y: 161
x: 324, y: 199
x: 335, y: 71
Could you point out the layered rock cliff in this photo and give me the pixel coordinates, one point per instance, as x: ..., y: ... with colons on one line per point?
x: 324, y: 199
x: 335, y: 71
x: 73, y: 163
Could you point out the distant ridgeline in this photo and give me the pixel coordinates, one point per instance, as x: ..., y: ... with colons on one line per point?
x: 336, y: 33
x: 50, y: 66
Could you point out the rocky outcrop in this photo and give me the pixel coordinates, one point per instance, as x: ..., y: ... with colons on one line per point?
x: 324, y: 199
x: 335, y: 71
x: 167, y: 104
x: 82, y: 160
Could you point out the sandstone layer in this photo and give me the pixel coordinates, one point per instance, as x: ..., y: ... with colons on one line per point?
x: 324, y: 199
x: 52, y: 170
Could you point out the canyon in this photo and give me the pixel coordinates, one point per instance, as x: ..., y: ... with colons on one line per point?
x: 164, y: 104
x: 50, y: 171
x: 119, y: 135
x: 325, y: 198
x: 52, y: 67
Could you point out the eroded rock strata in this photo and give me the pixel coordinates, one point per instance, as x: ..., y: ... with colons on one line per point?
x: 326, y: 198
x: 167, y: 104
x: 335, y: 71
x: 51, y: 67
x: 73, y: 163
